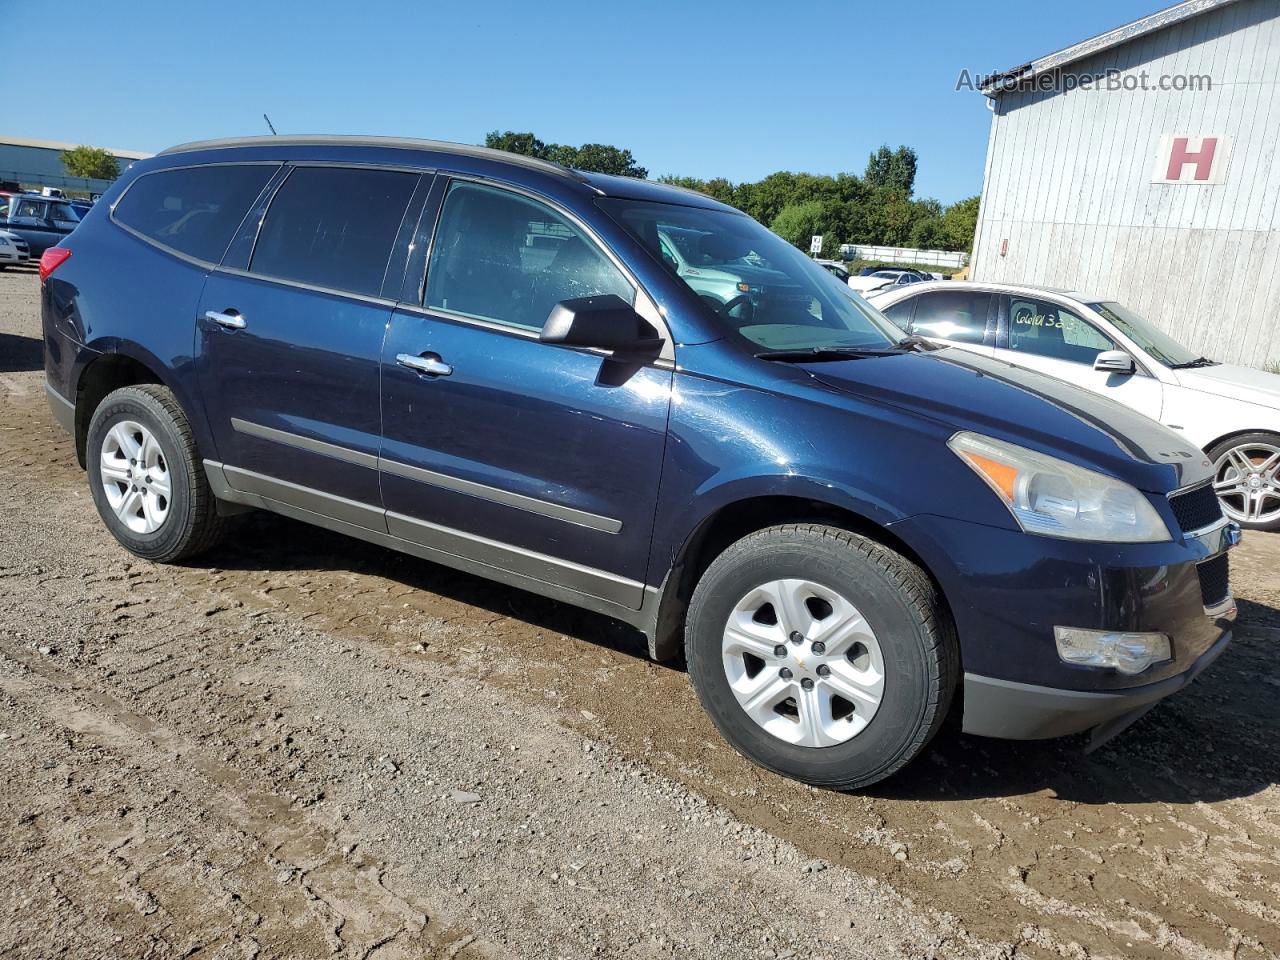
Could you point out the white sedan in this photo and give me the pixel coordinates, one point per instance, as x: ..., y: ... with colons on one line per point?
x: 1232, y: 413
x: 13, y: 250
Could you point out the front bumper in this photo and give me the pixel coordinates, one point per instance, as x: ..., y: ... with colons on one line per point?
x: 1008, y: 590
x: 1022, y: 711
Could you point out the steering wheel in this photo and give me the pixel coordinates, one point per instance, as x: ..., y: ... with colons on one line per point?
x: 726, y: 308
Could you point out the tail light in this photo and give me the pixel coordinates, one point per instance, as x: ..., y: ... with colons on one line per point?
x: 51, y: 260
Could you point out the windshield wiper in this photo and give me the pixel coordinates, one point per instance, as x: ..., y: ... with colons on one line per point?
x: 918, y: 343
x: 817, y: 354
x: 1197, y: 362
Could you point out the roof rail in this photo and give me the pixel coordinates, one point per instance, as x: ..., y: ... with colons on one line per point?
x: 400, y: 143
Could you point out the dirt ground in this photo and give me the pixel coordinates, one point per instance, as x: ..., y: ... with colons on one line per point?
x: 304, y: 746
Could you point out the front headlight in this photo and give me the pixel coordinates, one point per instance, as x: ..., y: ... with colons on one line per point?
x: 1054, y: 498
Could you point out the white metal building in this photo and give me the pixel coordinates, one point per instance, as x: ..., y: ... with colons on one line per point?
x: 1141, y: 164
x: 38, y: 163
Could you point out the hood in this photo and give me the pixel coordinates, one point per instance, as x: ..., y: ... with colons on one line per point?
x: 1238, y: 383
x: 968, y: 391
x: 867, y: 284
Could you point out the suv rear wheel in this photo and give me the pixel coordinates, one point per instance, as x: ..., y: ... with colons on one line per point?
x: 146, y: 477
x: 821, y: 654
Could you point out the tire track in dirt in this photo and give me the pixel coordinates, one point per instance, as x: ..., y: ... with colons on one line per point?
x: 312, y: 881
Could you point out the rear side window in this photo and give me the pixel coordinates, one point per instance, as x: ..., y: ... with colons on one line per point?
x: 958, y: 315
x: 333, y: 227
x: 194, y: 210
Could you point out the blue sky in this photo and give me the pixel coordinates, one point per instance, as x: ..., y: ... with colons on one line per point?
x: 705, y: 88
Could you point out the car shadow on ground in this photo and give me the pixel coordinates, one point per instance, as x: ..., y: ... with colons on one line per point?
x: 20, y: 354
x: 266, y: 541
x: 1208, y: 743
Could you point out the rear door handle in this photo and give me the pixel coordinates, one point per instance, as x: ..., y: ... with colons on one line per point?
x: 232, y: 321
x: 429, y: 364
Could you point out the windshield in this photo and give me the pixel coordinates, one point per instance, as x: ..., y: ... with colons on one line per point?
x: 1159, y: 345
x: 755, y: 283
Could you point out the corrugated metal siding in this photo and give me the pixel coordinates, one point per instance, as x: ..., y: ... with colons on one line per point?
x: 1068, y: 184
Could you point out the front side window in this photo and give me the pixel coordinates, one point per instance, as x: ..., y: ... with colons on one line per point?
x: 194, y: 210
x: 754, y: 282
x: 900, y: 313
x: 333, y: 227
x: 1048, y: 330
x: 505, y: 258
x: 957, y: 315
x: 31, y: 208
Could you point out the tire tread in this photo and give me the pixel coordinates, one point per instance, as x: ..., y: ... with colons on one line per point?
x: 206, y: 526
x: 922, y: 599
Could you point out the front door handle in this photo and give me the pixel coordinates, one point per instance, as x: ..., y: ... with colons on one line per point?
x: 232, y: 321
x: 429, y: 364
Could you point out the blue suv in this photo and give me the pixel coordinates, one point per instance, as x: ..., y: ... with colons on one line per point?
x: 494, y: 363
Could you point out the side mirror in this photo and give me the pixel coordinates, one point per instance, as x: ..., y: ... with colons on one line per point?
x: 605, y: 322
x: 1114, y: 361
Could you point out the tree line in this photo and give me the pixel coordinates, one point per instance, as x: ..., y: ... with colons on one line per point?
x: 875, y: 209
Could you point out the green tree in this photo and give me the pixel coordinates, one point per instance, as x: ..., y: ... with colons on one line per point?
x: 798, y: 222
x: 92, y: 162
x: 601, y: 158
x: 892, y: 168
x: 929, y: 234
x: 512, y: 142
x: 593, y: 157
x: 891, y: 215
x: 960, y: 221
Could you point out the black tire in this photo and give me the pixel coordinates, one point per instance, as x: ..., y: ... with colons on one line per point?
x: 192, y: 524
x: 1231, y: 506
x: 898, y: 601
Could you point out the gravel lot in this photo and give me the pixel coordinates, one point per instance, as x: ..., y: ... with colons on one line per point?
x: 307, y: 746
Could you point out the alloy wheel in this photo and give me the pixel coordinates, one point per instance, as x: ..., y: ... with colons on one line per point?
x: 1247, y: 481
x: 135, y: 477
x: 803, y: 663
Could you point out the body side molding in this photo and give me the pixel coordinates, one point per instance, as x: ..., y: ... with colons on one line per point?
x: 544, y: 508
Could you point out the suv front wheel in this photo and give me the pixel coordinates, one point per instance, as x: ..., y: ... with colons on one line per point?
x: 146, y: 477
x: 820, y: 654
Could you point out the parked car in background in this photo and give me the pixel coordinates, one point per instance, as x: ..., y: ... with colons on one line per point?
x: 676, y: 419
x: 1232, y: 413
x: 40, y: 221
x: 735, y: 284
x: 884, y: 279
x: 894, y: 271
x: 14, y: 251
x: 835, y: 268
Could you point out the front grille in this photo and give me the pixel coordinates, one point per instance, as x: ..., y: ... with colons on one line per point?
x: 1196, y: 508
x: 1215, y: 580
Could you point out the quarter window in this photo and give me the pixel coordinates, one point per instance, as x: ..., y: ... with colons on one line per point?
x: 502, y: 257
x: 194, y: 210
x: 900, y: 312
x: 957, y: 315
x: 1048, y: 330
x: 333, y: 227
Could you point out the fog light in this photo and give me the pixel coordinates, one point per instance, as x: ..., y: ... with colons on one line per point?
x: 1127, y: 653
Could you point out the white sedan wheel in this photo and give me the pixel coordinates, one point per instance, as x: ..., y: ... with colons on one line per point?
x: 1247, y: 481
